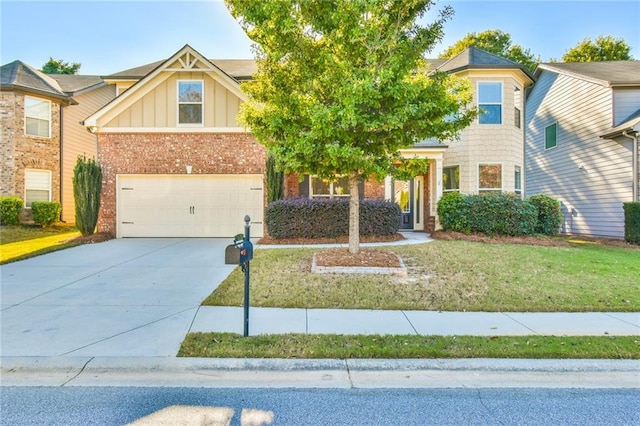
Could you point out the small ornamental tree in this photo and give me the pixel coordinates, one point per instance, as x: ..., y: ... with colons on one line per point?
x: 342, y: 87
x: 87, y: 185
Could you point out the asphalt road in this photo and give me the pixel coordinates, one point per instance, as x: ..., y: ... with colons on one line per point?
x: 506, y: 406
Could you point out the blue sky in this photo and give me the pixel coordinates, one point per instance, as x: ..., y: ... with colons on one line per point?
x: 111, y: 36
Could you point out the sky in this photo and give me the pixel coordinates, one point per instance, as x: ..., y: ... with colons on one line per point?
x: 111, y: 36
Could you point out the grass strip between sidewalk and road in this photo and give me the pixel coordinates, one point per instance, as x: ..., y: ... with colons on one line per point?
x: 309, y: 346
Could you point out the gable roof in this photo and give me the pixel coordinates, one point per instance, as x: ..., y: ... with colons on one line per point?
x: 605, y: 73
x: 475, y: 58
x: 239, y: 69
x: 629, y: 124
x: 74, y: 84
x: 17, y: 75
x: 188, y: 59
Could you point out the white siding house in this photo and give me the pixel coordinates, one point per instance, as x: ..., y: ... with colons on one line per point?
x: 576, y: 150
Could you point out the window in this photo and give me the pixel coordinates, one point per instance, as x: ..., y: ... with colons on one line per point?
x: 37, y: 117
x: 451, y: 178
x: 329, y: 189
x: 551, y: 136
x: 517, y: 101
x: 490, y: 102
x: 190, y: 102
x: 37, y: 186
x: 489, y: 177
x: 518, y: 181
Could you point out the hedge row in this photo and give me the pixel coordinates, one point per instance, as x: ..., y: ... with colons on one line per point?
x: 10, y: 209
x: 632, y: 222
x: 499, y: 214
x: 321, y: 217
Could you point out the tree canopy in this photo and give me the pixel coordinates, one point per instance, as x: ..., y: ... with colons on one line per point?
x: 604, y: 48
x: 496, y: 42
x: 342, y: 87
x: 58, y: 66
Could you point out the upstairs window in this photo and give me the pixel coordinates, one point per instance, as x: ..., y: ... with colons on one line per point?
x: 551, y: 136
x: 37, y: 117
x: 190, y: 102
x: 517, y: 101
x: 329, y: 189
x: 37, y: 186
x: 489, y: 178
x: 490, y: 102
x: 451, y: 178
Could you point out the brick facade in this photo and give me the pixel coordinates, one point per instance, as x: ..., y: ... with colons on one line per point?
x: 20, y: 152
x: 170, y: 153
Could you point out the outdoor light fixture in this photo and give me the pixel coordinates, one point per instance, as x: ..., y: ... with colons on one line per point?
x: 189, y: 168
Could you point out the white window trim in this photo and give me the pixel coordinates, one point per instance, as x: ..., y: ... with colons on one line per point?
x: 50, y: 189
x: 178, y: 103
x: 330, y: 195
x: 491, y: 103
x: 25, y: 116
x: 501, y: 177
x: 449, y: 167
x: 516, y: 189
x: 544, y: 136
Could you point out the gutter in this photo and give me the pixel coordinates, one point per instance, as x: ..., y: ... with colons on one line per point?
x: 634, y: 163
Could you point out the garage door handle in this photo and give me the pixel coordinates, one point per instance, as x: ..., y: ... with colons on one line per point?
x: 192, y: 210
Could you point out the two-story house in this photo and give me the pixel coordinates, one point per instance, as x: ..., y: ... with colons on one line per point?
x: 583, y: 121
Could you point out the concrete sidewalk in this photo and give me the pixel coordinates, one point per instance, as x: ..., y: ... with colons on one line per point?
x: 359, y: 321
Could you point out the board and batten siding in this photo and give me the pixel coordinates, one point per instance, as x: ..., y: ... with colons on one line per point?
x: 77, y: 141
x: 590, y: 176
x: 158, y: 108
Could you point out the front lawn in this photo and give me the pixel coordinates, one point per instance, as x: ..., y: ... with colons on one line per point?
x: 24, y: 241
x: 452, y: 276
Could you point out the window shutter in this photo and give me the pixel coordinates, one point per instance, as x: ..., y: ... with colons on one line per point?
x: 303, y: 187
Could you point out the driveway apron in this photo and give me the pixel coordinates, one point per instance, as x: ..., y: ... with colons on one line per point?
x: 124, y: 297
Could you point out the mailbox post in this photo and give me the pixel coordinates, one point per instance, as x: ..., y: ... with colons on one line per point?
x: 241, y: 253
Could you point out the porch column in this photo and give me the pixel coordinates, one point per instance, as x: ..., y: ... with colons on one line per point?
x: 437, y: 186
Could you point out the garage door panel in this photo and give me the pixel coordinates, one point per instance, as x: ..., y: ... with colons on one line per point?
x: 188, y: 205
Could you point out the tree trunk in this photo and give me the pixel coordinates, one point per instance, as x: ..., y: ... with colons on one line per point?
x: 354, y: 214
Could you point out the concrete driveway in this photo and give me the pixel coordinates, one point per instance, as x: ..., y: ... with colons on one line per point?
x: 126, y: 297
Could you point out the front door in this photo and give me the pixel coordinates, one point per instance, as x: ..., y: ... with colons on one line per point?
x: 403, y: 196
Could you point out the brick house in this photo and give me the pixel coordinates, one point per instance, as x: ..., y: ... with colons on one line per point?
x: 41, y: 132
x: 176, y: 162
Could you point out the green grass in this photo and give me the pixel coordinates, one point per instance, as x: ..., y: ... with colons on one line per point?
x: 225, y: 345
x: 451, y: 276
x: 22, y: 242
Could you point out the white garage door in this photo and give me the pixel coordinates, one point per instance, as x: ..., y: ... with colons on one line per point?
x: 188, y: 205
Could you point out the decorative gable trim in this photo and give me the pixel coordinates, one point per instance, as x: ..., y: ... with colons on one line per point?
x: 186, y: 59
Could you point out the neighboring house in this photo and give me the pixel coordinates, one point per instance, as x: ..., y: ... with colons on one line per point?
x: 30, y: 110
x: 583, y: 121
x: 42, y: 134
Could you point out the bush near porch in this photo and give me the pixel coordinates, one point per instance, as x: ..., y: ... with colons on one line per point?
x: 632, y: 222
x: 327, y: 218
x: 499, y: 214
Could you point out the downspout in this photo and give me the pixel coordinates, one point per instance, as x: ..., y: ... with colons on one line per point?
x: 61, y: 165
x: 634, y: 163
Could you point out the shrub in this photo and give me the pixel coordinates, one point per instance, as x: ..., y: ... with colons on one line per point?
x: 549, y: 214
x: 275, y: 181
x: 501, y: 214
x: 321, y: 217
x: 10, y: 209
x: 45, y: 212
x: 632, y: 222
x: 87, y: 184
x: 453, y: 212
x: 491, y: 214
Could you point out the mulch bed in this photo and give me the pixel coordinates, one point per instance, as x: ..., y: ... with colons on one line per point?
x: 365, y: 258
x: 337, y: 240
x: 91, y: 239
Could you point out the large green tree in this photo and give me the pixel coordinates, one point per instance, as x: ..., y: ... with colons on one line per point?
x: 496, y: 42
x: 58, y: 66
x: 342, y: 86
x: 603, y: 48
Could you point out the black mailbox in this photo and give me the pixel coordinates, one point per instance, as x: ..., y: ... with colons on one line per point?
x: 238, y: 253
